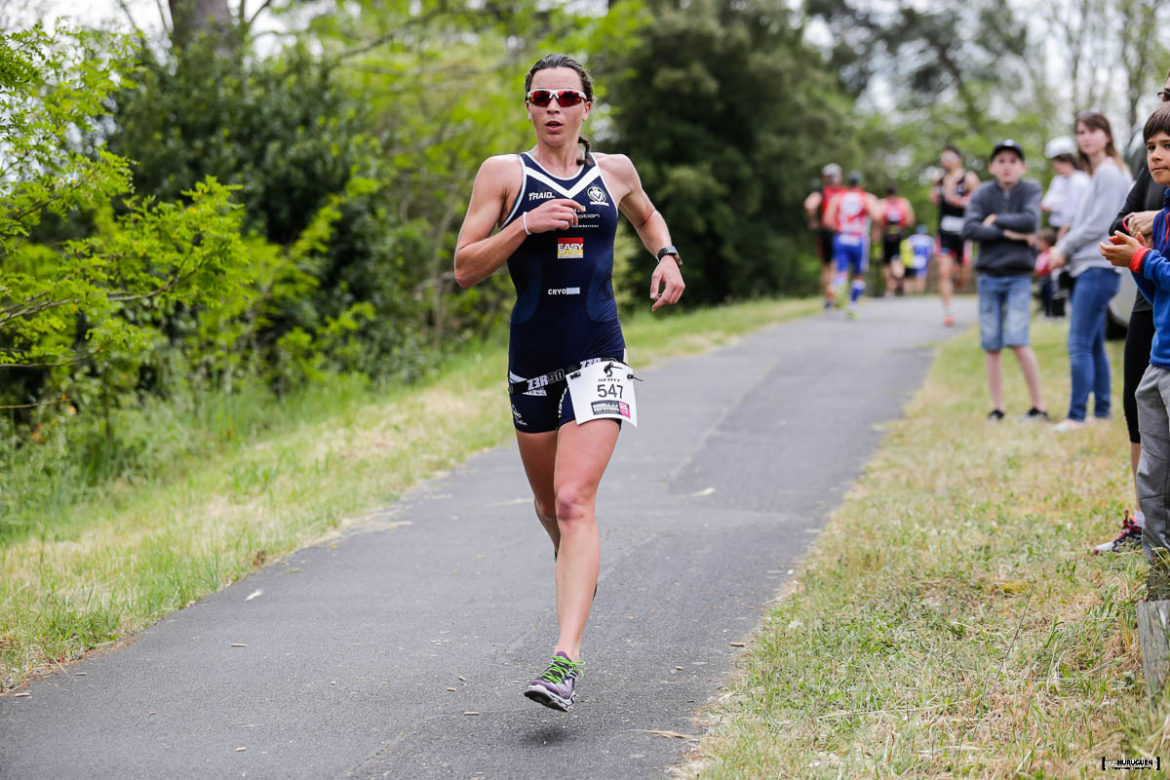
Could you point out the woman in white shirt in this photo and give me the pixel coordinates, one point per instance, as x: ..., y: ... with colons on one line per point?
x: 1069, y: 185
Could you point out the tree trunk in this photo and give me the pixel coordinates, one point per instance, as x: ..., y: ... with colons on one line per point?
x: 192, y: 18
x: 1153, y: 618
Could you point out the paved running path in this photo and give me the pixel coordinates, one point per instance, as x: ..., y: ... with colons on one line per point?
x: 367, y: 657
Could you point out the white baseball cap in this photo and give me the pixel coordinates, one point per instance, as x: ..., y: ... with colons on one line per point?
x: 1060, y: 145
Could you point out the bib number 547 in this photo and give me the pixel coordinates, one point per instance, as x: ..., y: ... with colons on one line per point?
x: 603, y: 390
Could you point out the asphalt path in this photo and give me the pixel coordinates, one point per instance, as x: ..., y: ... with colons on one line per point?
x: 400, y: 649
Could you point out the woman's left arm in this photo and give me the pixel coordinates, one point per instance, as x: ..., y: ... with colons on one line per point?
x: 666, y: 283
x: 1106, y: 193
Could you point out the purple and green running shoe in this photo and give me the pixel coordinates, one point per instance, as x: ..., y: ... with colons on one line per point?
x: 556, y: 688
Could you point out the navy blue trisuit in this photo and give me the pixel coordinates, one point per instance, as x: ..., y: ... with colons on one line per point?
x: 565, y: 311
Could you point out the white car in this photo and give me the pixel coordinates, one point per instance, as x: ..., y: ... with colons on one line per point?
x: 1117, y: 316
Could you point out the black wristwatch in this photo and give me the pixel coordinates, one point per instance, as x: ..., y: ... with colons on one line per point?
x: 669, y: 250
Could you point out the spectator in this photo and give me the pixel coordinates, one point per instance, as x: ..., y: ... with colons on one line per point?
x: 1001, y: 216
x: 1137, y: 219
x: 1045, y: 241
x: 1095, y: 279
x: 1150, y: 267
x: 1068, y: 187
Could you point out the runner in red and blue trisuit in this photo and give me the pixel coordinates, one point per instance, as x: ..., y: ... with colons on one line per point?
x: 851, y: 214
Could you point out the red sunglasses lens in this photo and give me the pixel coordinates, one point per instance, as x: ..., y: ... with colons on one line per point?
x: 568, y: 97
x: 540, y: 97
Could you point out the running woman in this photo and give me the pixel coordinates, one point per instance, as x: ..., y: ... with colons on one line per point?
x: 896, y: 216
x: 550, y: 213
x: 851, y: 213
x: 815, y: 205
x: 951, y: 193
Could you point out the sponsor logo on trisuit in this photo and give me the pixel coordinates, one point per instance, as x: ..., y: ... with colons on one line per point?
x: 540, y: 196
x: 570, y: 248
x: 611, y: 407
x: 597, y: 196
x: 517, y: 416
x: 564, y: 291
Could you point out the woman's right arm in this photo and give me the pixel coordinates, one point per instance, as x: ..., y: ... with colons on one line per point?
x: 478, y: 253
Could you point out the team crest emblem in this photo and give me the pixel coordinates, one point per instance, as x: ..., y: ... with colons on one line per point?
x: 597, y: 196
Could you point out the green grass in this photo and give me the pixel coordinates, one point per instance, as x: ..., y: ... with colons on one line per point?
x: 950, y: 621
x: 250, y: 481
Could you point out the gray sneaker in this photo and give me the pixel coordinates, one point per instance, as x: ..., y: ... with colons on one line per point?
x: 556, y: 688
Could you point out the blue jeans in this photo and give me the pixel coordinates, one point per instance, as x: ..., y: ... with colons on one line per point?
x: 1005, y: 311
x: 1086, y: 341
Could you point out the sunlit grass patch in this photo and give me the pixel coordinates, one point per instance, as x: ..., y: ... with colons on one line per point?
x: 950, y: 620
x: 112, y: 562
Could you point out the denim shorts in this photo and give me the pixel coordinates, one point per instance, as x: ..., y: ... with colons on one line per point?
x: 1005, y: 311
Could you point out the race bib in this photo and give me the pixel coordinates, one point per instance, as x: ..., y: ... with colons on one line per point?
x: 951, y: 224
x: 603, y: 390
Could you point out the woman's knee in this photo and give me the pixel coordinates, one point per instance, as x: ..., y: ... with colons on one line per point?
x: 574, y: 503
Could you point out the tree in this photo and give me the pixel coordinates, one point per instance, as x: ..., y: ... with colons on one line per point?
x: 71, y: 304
x: 949, y: 53
x: 191, y: 19
x: 443, y: 82
x: 728, y: 115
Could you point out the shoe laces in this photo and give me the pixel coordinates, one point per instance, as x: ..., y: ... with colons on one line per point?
x: 560, y: 668
x: 1128, y: 526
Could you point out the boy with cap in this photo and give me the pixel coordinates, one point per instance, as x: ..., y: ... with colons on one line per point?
x: 1001, y: 217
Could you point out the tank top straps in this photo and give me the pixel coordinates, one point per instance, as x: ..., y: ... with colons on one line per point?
x: 565, y: 310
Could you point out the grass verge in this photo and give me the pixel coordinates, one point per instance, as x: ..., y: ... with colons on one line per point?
x: 135, y: 552
x: 950, y: 621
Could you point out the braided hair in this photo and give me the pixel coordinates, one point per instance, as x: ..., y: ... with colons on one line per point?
x: 558, y: 60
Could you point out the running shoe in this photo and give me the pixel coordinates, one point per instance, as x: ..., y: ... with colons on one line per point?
x: 1129, y: 538
x: 1035, y: 415
x: 995, y: 415
x: 1064, y: 426
x: 948, y: 320
x: 556, y: 688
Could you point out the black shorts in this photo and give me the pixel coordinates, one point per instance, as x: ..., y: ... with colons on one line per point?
x: 825, y: 245
x: 535, y: 413
x: 952, y: 244
x: 892, y: 248
x: 1136, y: 359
